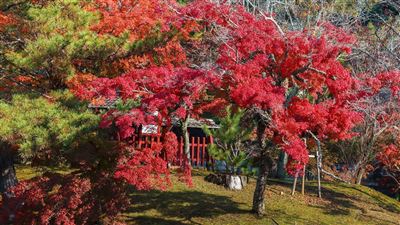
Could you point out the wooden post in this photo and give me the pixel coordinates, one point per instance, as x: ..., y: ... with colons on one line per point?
x: 295, y: 182
x: 319, y: 162
x: 303, y: 180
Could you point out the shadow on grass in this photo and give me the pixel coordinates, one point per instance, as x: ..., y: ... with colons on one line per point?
x: 341, y: 199
x: 382, y: 202
x: 143, y: 220
x: 339, y: 203
x: 182, y: 206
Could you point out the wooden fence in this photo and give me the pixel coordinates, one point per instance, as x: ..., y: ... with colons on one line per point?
x: 199, y: 156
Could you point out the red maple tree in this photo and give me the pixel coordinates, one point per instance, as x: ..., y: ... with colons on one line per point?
x: 292, y: 83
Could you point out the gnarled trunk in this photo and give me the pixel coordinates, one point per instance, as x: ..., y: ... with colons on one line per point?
x: 259, y: 192
x: 265, y: 164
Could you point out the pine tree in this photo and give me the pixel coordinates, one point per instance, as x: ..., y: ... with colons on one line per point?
x: 229, y: 143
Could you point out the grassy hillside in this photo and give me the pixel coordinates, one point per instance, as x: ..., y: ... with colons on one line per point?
x: 207, y: 203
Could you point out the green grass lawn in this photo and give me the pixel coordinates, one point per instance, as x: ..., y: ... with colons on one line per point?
x: 207, y: 203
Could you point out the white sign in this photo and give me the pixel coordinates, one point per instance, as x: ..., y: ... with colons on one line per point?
x: 149, y: 129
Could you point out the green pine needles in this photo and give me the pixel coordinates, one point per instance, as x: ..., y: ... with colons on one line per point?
x: 229, y: 141
x: 38, y: 126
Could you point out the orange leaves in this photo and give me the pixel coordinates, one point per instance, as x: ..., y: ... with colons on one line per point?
x: 77, y: 84
x: 5, y: 20
x: 390, y: 156
x: 134, y: 61
x: 139, y: 18
x: 24, y: 79
x: 188, y: 27
x: 19, y: 82
x: 156, y: 27
x: 98, y: 101
x: 171, y: 53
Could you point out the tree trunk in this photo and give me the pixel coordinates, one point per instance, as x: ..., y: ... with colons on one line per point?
x: 185, y: 133
x: 295, y: 183
x: 259, y: 192
x: 265, y: 163
x: 360, y: 175
x: 8, y: 177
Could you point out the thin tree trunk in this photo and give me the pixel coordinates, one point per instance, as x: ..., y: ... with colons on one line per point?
x: 259, y: 193
x: 319, y: 168
x: 319, y: 162
x: 295, y: 183
x: 360, y: 175
x: 186, y: 143
x: 303, y: 180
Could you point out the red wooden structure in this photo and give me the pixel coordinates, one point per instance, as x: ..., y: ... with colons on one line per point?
x: 199, y: 156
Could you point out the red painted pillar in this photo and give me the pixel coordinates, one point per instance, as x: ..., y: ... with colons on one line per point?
x: 203, y: 151
x: 198, y: 152
x: 192, y: 151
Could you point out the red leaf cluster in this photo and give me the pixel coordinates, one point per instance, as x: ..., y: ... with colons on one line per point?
x: 63, y: 199
x: 5, y: 20
x: 148, y: 168
x: 389, y: 159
